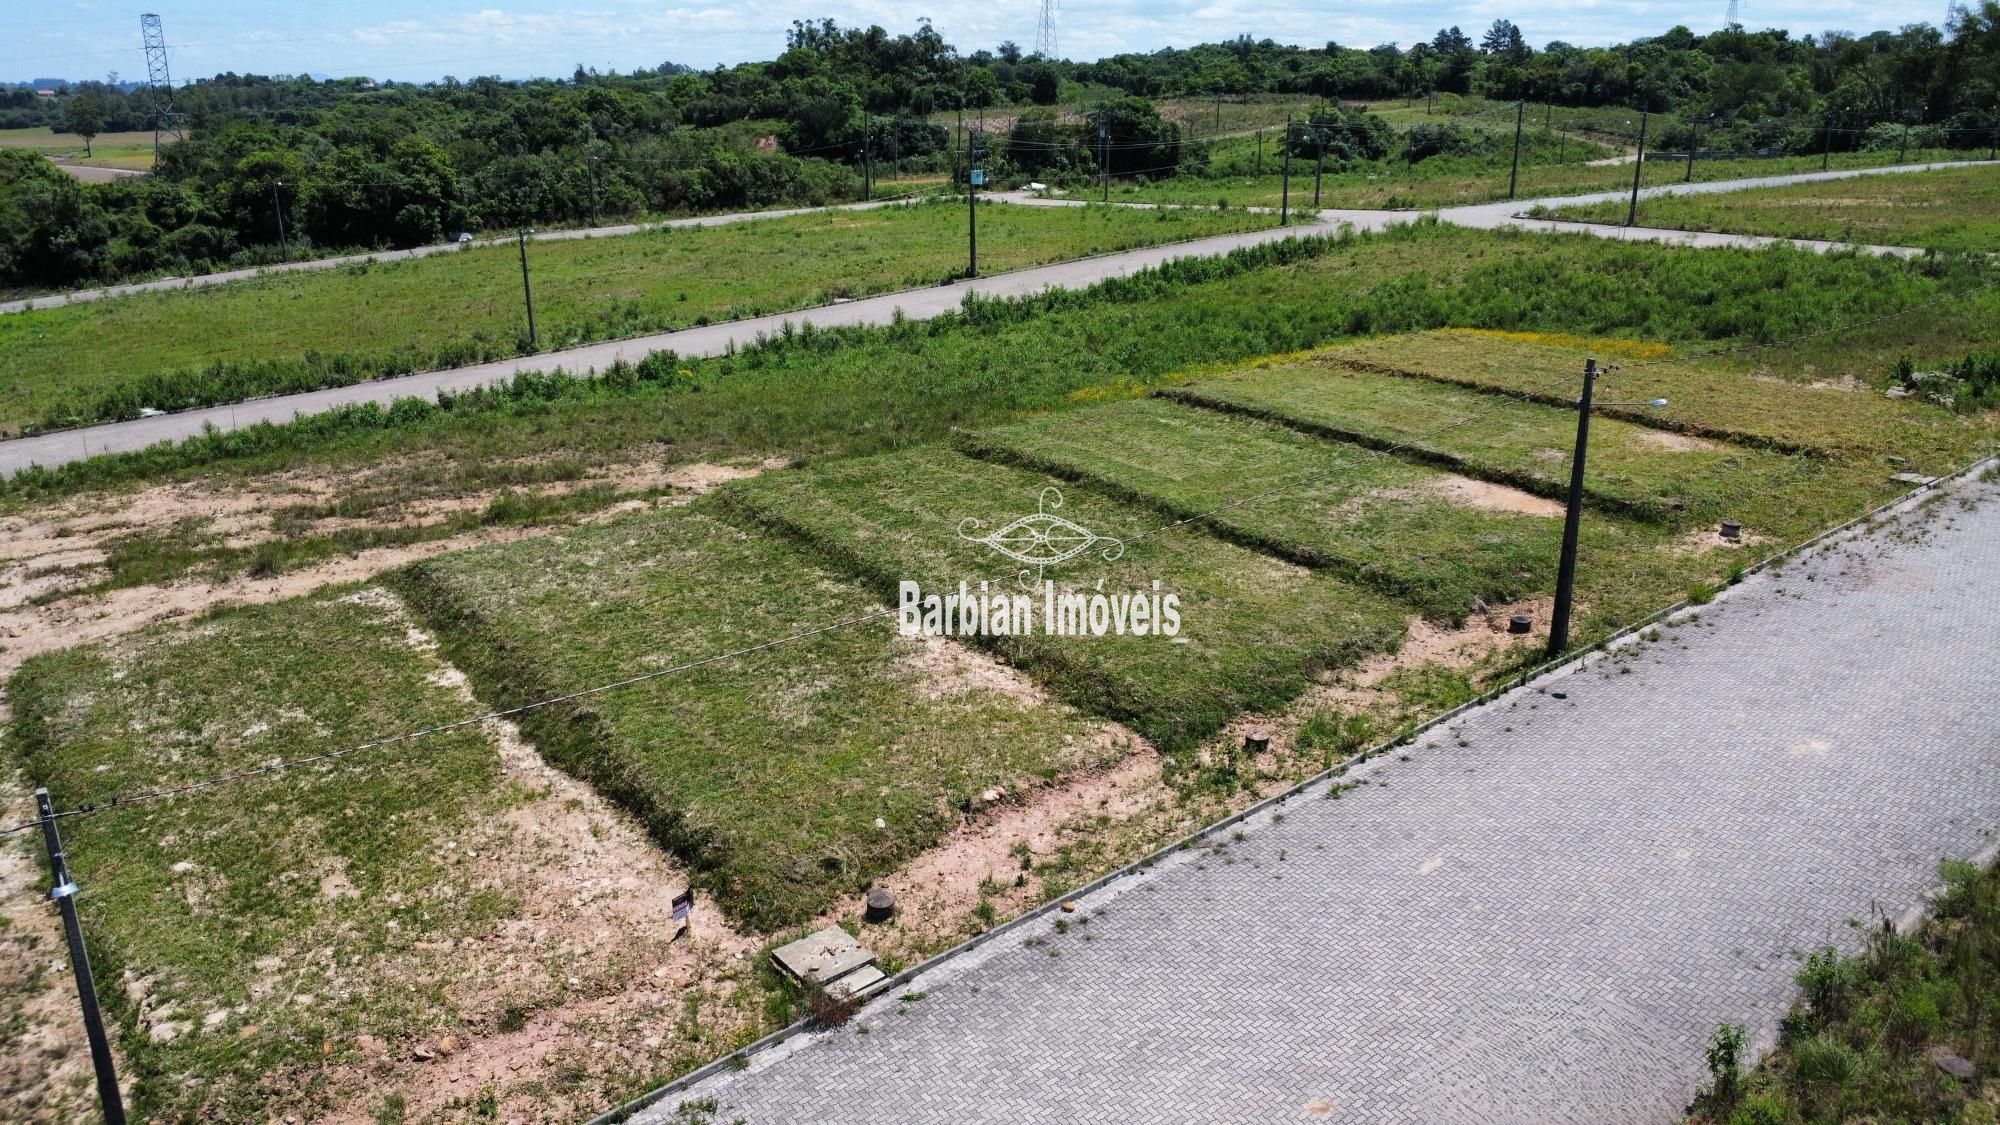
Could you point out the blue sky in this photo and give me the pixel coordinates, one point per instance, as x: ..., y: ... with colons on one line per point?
x: 514, y: 38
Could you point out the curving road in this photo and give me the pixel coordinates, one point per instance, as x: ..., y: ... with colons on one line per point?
x: 53, y: 449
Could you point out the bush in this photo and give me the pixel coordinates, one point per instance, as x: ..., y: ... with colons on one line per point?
x: 1426, y: 140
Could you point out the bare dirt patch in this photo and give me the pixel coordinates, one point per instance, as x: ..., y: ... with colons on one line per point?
x: 1673, y: 442
x: 584, y: 985
x: 66, y: 546
x: 1710, y: 539
x: 1467, y: 492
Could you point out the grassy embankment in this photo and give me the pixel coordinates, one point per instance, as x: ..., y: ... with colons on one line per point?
x: 1953, y: 210
x: 290, y: 332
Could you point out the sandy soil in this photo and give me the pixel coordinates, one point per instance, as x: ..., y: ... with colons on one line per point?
x: 1672, y: 442
x: 598, y: 901
x: 1469, y: 493
x: 44, y: 1067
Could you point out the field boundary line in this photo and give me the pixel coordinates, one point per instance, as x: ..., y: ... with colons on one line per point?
x: 1565, y: 665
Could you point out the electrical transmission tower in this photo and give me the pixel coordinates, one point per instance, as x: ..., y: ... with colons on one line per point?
x: 159, y: 83
x: 1735, y: 14
x: 1045, y: 34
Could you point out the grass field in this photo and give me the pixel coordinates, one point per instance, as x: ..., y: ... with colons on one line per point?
x: 765, y: 773
x: 1441, y: 182
x: 1633, y: 468
x: 856, y: 393
x: 1955, y: 209
x: 1255, y: 629
x: 288, y: 332
x: 1375, y: 520
x: 108, y: 150
x: 263, y: 932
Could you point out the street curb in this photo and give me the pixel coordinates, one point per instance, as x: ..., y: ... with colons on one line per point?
x: 1563, y: 665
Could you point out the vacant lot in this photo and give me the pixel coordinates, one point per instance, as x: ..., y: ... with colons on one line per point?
x: 416, y: 937
x: 846, y: 393
x: 1954, y: 209
x: 1552, y: 167
x: 1633, y: 468
x: 168, y: 350
x: 108, y: 150
x: 1256, y: 630
x: 1431, y: 538
x: 789, y: 778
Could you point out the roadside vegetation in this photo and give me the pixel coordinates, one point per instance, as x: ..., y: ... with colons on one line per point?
x: 1953, y: 210
x: 1549, y: 166
x: 105, y: 360
x: 812, y: 393
x: 1904, y: 1030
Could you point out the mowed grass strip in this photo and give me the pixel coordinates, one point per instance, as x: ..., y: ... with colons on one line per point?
x: 1254, y: 629
x: 265, y: 924
x: 1400, y: 527
x: 1951, y: 209
x: 1634, y: 469
x: 1711, y: 398
x: 766, y: 772
x: 463, y: 307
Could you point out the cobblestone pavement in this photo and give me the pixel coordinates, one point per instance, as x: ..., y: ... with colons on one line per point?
x: 1539, y: 917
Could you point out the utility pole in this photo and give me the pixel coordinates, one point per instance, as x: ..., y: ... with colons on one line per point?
x: 1319, y: 164
x: 1260, y: 152
x: 1993, y: 146
x: 1218, y: 111
x: 79, y: 962
x: 1693, y: 147
x: 1566, y: 570
x: 1826, y: 152
x: 1548, y: 116
x: 278, y: 209
x: 1903, y: 149
x: 973, y: 174
x: 527, y: 293
x: 1104, y: 161
x: 590, y: 164
x: 1285, y: 198
x: 867, y: 169
x: 1638, y: 166
x: 1514, y: 176
x: 1562, y: 155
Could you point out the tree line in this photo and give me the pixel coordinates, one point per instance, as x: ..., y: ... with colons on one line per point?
x: 351, y: 163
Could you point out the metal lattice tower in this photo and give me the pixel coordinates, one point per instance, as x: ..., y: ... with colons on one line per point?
x: 1735, y: 13
x: 159, y: 83
x: 1045, y: 34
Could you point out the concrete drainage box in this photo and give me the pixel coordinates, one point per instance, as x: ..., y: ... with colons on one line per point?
x: 832, y: 959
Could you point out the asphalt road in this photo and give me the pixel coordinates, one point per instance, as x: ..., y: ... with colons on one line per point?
x: 55, y: 449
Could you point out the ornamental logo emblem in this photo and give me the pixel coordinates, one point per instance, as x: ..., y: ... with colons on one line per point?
x: 1042, y: 540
